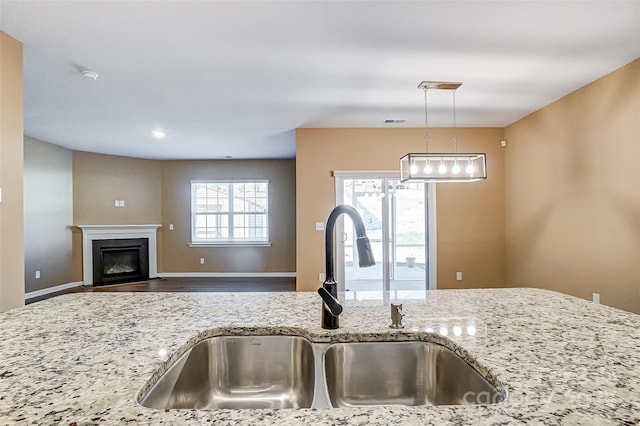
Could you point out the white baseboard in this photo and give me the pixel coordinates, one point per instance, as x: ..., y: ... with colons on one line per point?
x: 227, y: 275
x: 50, y: 290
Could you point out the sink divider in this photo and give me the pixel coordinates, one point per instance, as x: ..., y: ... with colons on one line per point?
x: 320, y: 393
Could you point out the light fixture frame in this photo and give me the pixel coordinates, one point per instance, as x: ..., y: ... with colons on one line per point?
x: 412, y: 165
x: 421, y: 159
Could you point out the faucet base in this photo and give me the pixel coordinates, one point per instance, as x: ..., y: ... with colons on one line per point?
x: 329, y: 322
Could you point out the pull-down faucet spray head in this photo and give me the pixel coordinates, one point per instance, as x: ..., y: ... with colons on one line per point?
x: 365, y: 254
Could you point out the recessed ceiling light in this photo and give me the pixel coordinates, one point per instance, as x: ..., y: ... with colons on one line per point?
x: 90, y: 74
x: 158, y: 134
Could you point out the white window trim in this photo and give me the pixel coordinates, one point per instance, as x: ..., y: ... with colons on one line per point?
x: 229, y: 243
x: 232, y: 244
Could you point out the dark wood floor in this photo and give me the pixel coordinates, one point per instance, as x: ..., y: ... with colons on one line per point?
x: 188, y: 285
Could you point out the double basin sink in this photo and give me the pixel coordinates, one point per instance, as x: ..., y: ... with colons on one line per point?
x: 275, y: 372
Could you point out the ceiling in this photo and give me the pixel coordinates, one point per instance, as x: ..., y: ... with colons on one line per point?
x: 236, y: 78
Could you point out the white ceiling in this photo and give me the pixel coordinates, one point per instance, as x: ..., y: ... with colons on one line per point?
x: 235, y: 78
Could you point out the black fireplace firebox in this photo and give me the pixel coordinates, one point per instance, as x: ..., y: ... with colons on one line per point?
x: 120, y: 260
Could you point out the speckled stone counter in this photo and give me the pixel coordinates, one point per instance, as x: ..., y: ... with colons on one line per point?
x: 82, y: 358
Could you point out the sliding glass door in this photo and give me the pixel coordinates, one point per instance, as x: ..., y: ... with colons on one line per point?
x: 395, y: 217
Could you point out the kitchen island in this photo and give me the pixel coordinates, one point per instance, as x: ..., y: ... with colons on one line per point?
x: 83, y: 358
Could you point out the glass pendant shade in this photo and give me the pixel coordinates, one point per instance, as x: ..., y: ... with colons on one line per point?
x: 458, y: 167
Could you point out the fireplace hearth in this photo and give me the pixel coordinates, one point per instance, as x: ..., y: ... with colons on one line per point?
x: 120, y: 260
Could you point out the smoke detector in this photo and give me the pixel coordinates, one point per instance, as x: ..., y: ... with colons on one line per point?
x: 90, y: 74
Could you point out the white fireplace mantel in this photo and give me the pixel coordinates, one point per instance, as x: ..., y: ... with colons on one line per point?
x: 107, y: 232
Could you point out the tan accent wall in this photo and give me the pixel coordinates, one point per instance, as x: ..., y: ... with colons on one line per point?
x: 176, y: 209
x: 573, y: 193
x: 99, y: 180
x: 48, y: 214
x: 470, y: 216
x: 11, y: 172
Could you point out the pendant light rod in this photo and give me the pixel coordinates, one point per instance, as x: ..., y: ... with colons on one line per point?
x: 440, y: 85
x: 426, y: 121
x: 455, y: 137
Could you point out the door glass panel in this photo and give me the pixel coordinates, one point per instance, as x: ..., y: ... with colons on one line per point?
x: 367, y: 197
x: 407, y: 236
x: 394, y: 216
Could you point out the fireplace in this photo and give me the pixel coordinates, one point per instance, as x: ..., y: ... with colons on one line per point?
x: 91, y: 233
x: 120, y: 260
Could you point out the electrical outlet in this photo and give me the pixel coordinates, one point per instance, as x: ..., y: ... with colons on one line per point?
x: 319, y: 226
x: 171, y: 227
x: 596, y: 298
x: 202, y: 260
x: 117, y: 203
x: 321, y: 277
x: 37, y: 275
x: 459, y: 276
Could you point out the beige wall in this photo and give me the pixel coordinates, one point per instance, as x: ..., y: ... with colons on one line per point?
x: 573, y: 193
x: 99, y: 180
x: 48, y: 214
x: 176, y: 209
x: 11, y: 172
x: 470, y: 216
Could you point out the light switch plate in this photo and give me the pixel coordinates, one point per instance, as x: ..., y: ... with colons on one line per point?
x: 459, y: 276
x: 319, y: 226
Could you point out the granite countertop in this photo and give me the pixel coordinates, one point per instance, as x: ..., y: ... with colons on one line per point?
x: 82, y: 358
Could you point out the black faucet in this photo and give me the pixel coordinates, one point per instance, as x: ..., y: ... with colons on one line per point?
x: 331, y: 308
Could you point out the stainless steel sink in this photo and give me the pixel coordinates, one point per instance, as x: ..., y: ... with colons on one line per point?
x: 403, y: 373
x: 238, y: 372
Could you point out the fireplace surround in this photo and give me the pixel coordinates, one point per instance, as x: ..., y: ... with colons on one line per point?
x: 91, y: 233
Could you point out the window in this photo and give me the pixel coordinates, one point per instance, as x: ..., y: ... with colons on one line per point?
x: 230, y: 212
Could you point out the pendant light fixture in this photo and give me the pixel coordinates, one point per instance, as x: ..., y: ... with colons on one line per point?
x: 442, y: 167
